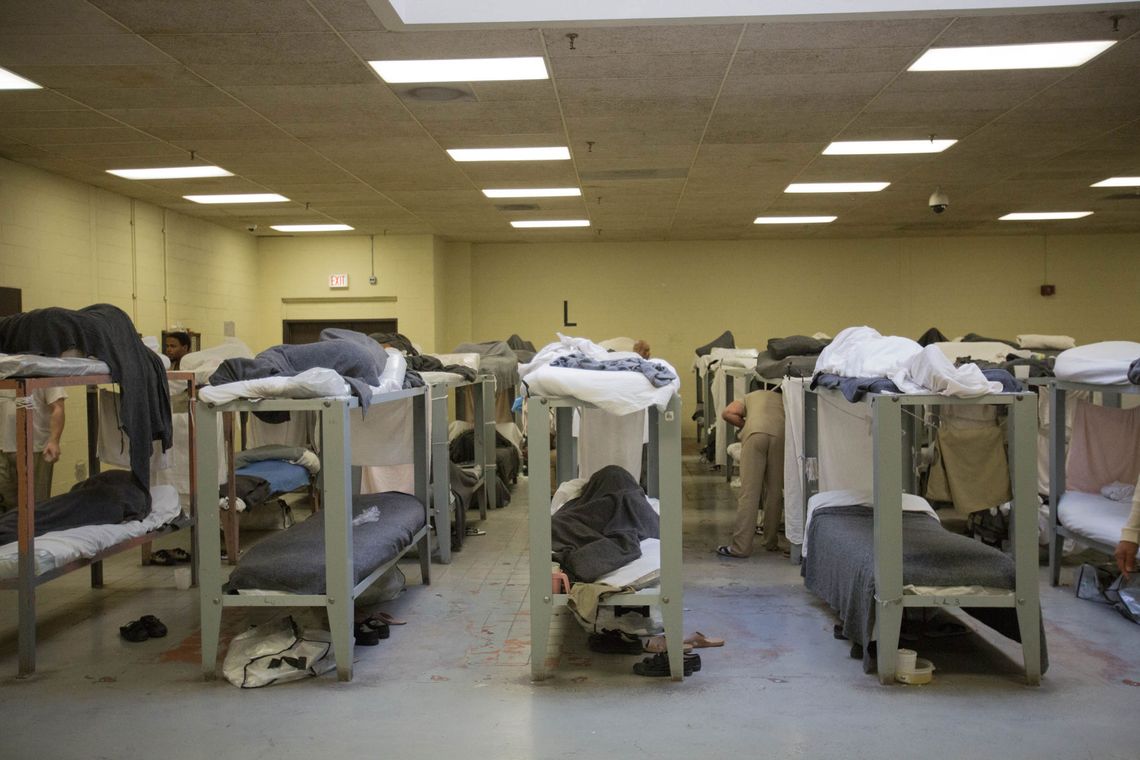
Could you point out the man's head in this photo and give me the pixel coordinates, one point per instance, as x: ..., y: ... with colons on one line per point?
x: 176, y: 345
x: 641, y: 348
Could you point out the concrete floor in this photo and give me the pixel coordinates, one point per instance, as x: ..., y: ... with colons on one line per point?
x: 455, y: 679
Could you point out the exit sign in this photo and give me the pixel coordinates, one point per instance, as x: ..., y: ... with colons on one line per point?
x: 338, y: 280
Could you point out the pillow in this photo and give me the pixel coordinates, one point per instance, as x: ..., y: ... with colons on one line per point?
x: 724, y: 341
x: 795, y: 345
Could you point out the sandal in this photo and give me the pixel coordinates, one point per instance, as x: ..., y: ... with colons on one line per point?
x: 726, y: 551
x: 656, y: 644
x: 389, y: 619
x: 134, y: 631
x: 180, y: 555
x: 700, y: 641
x: 162, y: 557
x: 155, y: 628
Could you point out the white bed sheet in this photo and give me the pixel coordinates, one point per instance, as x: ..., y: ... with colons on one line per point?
x: 1092, y: 515
x: 30, y: 365
x: 1104, y: 363
x: 467, y: 360
x: 846, y: 498
x: 58, y: 548
x: 618, y: 393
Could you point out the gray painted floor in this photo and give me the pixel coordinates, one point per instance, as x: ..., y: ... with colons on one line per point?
x: 455, y: 679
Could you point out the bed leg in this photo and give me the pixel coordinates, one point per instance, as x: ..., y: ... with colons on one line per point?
x: 889, y: 622
x: 423, y: 548
x: 1056, y: 547
x: 1029, y: 626
x: 211, y: 633
x: 340, y: 626
x: 97, y: 574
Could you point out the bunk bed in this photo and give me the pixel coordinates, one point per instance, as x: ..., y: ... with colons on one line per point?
x: 325, y: 561
x: 39, y: 559
x: 560, y: 390
x: 441, y: 385
x: 871, y: 586
x: 1078, y: 510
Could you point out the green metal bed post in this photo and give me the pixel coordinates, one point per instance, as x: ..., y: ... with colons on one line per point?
x: 337, y: 512
x: 208, y: 526
x: 887, y: 433
x: 1022, y: 433
x: 541, y: 602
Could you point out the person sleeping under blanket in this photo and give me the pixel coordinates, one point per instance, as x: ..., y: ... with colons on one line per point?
x: 602, y: 529
x: 107, y: 498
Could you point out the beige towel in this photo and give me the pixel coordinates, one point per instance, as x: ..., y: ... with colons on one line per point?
x: 970, y: 469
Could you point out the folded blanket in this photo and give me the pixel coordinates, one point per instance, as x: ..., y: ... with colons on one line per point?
x: 104, y: 499
x: 724, y: 340
x: 795, y: 345
x: 1134, y: 372
x: 657, y: 374
x: 1056, y: 342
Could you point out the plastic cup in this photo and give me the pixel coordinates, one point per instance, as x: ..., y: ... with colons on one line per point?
x: 182, y: 578
x: 1021, y: 371
x: 904, y: 661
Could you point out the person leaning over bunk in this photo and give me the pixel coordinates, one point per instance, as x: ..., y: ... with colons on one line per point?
x: 760, y: 415
x: 47, y: 420
x: 1129, y: 538
x: 176, y: 345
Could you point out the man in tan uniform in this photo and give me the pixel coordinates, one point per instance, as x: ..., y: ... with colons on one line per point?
x: 760, y: 416
x: 1130, y: 538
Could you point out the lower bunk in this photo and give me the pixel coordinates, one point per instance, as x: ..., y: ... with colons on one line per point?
x: 939, y: 569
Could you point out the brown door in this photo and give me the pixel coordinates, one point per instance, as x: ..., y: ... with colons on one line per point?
x: 10, y: 302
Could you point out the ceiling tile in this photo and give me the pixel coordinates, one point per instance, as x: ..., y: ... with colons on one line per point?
x: 784, y: 35
x: 295, y: 49
x: 231, y: 74
x: 212, y: 16
x: 77, y: 50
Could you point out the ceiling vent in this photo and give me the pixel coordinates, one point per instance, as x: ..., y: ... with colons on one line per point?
x: 517, y: 207
x: 434, y: 93
x: 618, y: 175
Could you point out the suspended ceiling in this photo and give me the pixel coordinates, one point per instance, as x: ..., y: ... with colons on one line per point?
x: 678, y: 131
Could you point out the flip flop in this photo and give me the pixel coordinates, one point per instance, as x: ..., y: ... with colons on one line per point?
x: 725, y: 551
x: 701, y: 641
x: 657, y: 644
x: 389, y: 619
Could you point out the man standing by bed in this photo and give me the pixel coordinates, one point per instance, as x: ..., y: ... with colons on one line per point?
x: 760, y: 416
x: 47, y: 420
x: 1130, y: 537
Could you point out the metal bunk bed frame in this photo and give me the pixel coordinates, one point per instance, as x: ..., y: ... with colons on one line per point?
x: 26, y: 581
x: 441, y: 458
x: 335, y: 484
x: 896, y: 439
x: 663, y: 475
x: 1058, y: 397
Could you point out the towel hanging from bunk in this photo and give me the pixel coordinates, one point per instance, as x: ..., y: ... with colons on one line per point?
x: 970, y: 469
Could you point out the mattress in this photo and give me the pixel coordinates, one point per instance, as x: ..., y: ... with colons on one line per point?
x: 790, y: 366
x: 58, y: 548
x: 844, y: 498
x: 1103, y: 363
x: 471, y: 360
x: 442, y: 378
x: 1093, y: 515
x: 293, y: 560
x: 30, y: 365
x: 614, y: 392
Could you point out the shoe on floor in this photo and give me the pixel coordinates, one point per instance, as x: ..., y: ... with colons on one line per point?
x: 726, y: 551
x: 614, y: 642
x: 658, y: 665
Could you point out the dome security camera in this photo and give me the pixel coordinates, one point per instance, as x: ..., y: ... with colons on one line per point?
x: 939, y: 201
x: 251, y: 228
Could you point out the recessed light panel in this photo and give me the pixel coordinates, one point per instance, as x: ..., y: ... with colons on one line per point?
x: 536, y: 192
x: 238, y: 198
x: 461, y: 70
x: 794, y: 219
x: 551, y: 223
x: 885, y: 147
x: 835, y: 187
x: 310, y: 227
x: 172, y: 172
x: 510, y: 154
x: 1044, y: 55
x: 1042, y: 216
x: 1118, y: 182
x: 10, y: 81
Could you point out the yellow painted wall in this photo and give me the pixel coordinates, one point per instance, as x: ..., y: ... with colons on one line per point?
x: 67, y: 244
x: 681, y: 295
x: 455, y: 274
x: 299, y: 267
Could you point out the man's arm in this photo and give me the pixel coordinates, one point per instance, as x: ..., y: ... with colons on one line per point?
x: 733, y: 414
x: 51, y: 448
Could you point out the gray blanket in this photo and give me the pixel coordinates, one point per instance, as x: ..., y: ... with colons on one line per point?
x: 602, y: 529
x: 497, y: 358
x: 293, y: 560
x: 790, y: 366
x: 657, y: 374
x: 840, y: 569
x: 1134, y: 372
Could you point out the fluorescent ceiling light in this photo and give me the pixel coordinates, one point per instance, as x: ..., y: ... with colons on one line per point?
x: 461, y: 70
x: 510, y: 154
x: 1045, y: 55
x: 537, y: 192
x: 1118, y: 182
x: 1038, y: 216
x: 884, y: 147
x: 310, y: 227
x: 10, y: 81
x: 794, y: 219
x: 238, y: 198
x: 552, y: 223
x: 171, y: 172
x: 835, y: 187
